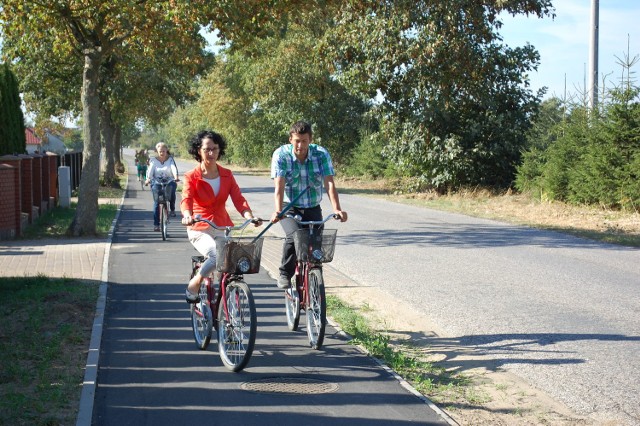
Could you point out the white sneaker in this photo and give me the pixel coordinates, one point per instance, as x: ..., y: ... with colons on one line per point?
x: 190, y: 297
x: 283, y: 282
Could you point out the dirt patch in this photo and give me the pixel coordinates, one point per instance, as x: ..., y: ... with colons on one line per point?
x: 495, y: 397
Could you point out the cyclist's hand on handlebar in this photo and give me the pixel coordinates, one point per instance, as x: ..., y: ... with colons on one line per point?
x: 187, y: 220
x: 257, y: 221
x: 340, y: 214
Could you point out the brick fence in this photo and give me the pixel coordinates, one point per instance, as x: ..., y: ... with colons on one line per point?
x: 29, y: 188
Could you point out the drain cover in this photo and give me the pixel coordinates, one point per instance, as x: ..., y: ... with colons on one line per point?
x: 288, y: 385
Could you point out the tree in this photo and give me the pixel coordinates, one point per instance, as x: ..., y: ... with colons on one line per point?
x: 12, y: 136
x: 443, y: 76
x: 94, y: 31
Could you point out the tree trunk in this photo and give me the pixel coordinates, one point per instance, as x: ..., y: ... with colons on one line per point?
x: 117, y: 139
x: 106, y: 124
x: 84, y: 222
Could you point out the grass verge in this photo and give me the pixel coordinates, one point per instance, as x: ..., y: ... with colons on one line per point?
x: 405, y: 359
x: 56, y: 222
x: 43, y: 348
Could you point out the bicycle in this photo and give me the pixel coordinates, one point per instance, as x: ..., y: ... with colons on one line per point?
x: 314, y: 246
x: 236, y: 319
x: 142, y: 173
x: 163, y: 211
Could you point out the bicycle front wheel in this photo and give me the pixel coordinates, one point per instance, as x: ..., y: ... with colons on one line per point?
x: 202, y: 319
x: 237, y: 326
x: 316, y: 309
x: 292, y: 307
x: 164, y: 218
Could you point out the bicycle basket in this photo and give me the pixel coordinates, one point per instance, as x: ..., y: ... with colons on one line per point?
x: 238, y: 255
x: 320, y: 246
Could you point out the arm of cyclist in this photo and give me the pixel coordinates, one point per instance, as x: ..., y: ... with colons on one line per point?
x: 332, y: 191
x: 279, y: 183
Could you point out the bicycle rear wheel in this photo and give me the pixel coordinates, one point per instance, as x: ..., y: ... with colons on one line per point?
x: 164, y: 218
x: 292, y: 307
x: 317, y: 309
x: 202, y: 318
x: 237, y: 330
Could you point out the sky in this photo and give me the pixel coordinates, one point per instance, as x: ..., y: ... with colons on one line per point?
x: 564, y: 43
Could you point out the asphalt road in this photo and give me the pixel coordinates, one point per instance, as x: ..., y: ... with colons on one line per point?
x: 561, y: 312
x: 151, y: 373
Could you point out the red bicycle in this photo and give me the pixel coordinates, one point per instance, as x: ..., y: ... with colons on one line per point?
x: 314, y: 246
x: 232, y: 302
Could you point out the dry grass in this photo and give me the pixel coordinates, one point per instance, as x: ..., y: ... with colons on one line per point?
x: 606, y: 225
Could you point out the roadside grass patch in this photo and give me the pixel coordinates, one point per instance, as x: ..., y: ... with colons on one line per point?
x: 45, y: 327
x: 429, y: 379
x: 56, y: 222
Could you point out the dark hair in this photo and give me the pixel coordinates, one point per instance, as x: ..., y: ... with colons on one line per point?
x: 301, y: 127
x: 196, y: 143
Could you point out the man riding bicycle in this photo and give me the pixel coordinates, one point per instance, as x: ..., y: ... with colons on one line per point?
x: 294, y: 167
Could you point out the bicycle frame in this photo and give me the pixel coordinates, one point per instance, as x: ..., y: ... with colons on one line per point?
x: 300, y: 297
x: 229, y: 308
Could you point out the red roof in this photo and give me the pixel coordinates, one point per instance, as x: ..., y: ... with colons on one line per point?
x: 32, y: 139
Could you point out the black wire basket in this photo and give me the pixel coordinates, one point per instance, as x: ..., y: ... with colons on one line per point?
x: 238, y: 255
x: 318, y: 247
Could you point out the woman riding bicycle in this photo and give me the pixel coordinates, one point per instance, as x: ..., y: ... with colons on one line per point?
x: 162, y: 167
x: 142, y: 161
x: 205, y: 192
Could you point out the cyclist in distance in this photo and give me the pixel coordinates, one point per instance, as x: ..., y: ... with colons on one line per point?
x: 294, y: 167
x: 163, y: 166
x: 142, y: 162
x: 205, y: 192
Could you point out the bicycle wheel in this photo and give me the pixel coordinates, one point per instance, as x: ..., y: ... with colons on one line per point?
x: 317, y: 309
x: 164, y: 217
x: 141, y: 183
x: 237, y: 331
x: 202, y: 318
x: 292, y: 307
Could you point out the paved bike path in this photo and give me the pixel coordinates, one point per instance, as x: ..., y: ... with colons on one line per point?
x: 151, y: 373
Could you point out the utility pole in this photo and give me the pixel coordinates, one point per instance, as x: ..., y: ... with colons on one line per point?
x: 593, y: 56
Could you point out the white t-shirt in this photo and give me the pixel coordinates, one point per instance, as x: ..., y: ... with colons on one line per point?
x: 215, y: 184
x: 158, y: 169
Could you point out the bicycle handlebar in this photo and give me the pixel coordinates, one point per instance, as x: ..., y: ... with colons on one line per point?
x: 298, y: 219
x: 198, y: 218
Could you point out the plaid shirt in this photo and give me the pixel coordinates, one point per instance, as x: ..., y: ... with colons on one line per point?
x: 298, y: 175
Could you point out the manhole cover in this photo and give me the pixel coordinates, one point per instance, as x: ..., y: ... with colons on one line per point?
x: 287, y: 385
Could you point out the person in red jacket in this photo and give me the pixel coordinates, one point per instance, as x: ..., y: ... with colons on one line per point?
x: 205, y: 191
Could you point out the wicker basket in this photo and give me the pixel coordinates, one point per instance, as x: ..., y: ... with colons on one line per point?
x: 229, y: 254
x: 320, y: 246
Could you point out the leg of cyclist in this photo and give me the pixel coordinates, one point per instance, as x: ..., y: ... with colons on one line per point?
x: 204, y: 242
x: 171, y: 187
x: 288, y: 263
x: 156, y: 214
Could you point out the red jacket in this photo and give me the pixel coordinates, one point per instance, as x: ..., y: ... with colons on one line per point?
x: 198, y: 197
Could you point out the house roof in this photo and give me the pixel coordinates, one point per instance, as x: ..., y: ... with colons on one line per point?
x: 32, y: 139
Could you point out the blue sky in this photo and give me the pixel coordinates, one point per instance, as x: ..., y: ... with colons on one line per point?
x: 563, y: 43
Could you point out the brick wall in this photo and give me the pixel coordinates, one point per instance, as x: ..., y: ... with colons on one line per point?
x: 10, y: 196
x: 37, y: 183
x: 53, y: 177
x: 26, y: 171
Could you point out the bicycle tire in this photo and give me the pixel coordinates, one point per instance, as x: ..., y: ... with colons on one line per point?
x: 164, y: 217
x: 237, y: 335
x: 292, y: 308
x: 316, y: 310
x: 202, y: 318
x: 141, y: 183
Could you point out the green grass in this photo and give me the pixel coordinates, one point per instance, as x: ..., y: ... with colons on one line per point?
x: 45, y: 326
x: 427, y: 378
x: 56, y: 222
